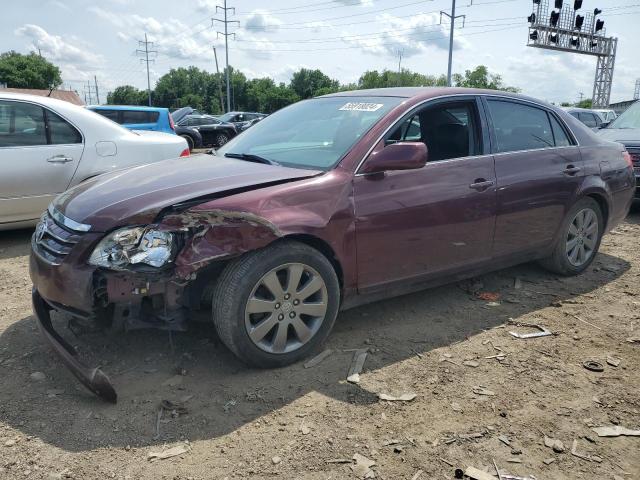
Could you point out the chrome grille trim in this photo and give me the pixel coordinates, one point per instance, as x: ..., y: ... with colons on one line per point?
x: 53, y: 241
x: 67, y: 222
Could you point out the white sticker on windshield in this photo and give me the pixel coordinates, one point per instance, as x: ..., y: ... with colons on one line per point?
x: 361, y: 107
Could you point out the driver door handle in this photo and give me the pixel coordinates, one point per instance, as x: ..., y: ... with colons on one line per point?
x: 571, y: 170
x: 59, y: 159
x: 480, y: 184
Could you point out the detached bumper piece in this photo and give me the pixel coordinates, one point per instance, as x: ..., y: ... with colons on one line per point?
x: 92, y: 378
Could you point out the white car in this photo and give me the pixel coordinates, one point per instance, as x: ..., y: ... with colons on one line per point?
x: 607, y: 115
x: 48, y: 146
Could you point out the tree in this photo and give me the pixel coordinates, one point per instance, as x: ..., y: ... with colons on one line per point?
x: 480, y: 77
x: 404, y: 78
x: 182, y: 87
x: 28, y: 71
x: 305, y: 83
x: 586, y: 103
x: 127, y: 95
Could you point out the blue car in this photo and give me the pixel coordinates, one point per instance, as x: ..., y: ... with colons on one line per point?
x: 137, y: 118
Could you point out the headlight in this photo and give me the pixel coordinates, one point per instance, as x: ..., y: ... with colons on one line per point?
x: 132, y: 245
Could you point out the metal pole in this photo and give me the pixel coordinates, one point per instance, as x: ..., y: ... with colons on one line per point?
x: 215, y: 54
x: 95, y: 79
x: 146, y: 50
x: 226, y: 47
x: 453, y: 21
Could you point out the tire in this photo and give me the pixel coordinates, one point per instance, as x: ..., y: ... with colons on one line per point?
x: 242, y: 287
x: 189, y: 141
x: 221, y: 139
x: 564, y: 260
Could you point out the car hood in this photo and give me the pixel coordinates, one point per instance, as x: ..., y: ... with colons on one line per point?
x: 181, y: 113
x: 136, y: 195
x: 628, y: 136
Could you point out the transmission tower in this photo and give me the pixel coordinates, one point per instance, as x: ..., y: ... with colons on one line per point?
x: 636, y: 92
x: 566, y: 30
x: 226, y: 35
x: 146, y: 52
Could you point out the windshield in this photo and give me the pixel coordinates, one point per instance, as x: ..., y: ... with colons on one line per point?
x: 226, y: 117
x: 630, y: 118
x: 314, y: 133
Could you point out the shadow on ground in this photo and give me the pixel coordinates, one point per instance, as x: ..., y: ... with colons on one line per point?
x: 223, y: 394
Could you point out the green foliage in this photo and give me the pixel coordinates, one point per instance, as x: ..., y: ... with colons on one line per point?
x: 307, y: 83
x: 127, y: 95
x: 586, y: 103
x: 28, y: 71
x: 565, y: 104
x: 201, y: 90
x: 404, y: 78
x: 480, y: 77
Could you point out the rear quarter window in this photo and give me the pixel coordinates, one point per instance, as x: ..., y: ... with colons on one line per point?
x: 137, y: 116
x: 110, y: 114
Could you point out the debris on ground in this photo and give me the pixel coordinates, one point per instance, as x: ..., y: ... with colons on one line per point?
x: 169, y: 452
x: 477, y: 474
x: 405, y: 397
x: 593, y: 365
x: 276, y: 460
x: 357, y: 364
x: 471, y: 363
x: 362, y: 466
x: 613, y: 361
x: 488, y: 296
x: 416, y: 475
x: 554, y: 444
x: 318, y: 358
x: 583, y: 456
x: 304, y: 429
x: 173, y: 381
x: 543, y: 331
x: 480, y: 390
x: 38, y: 377
x: 616, y: 431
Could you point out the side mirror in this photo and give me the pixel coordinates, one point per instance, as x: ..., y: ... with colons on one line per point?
x: 604, y: 124
x: 397, y: 156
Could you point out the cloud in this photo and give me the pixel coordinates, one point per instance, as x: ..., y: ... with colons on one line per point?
x: 355, y: 2
x: 409, y: 36
x: 57, y: 49
x: 261, y: 21
x: 258, y: 47
x: 207, y: 6
x: 59, y: 4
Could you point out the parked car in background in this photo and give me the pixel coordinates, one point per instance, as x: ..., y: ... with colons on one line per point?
x: 326, y: 204
x: 626, y: 130
x: 590, y: 118
x: 242, y: 120
x: 135, y: 117
x: 190, y: 134
x: 214, y: 132
x: 47, y: 146
x: 607, y: 115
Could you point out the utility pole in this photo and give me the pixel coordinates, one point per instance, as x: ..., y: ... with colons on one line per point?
x: 95, y: 79
x: 636, y: 92
x: 215, y: 54
x: 581, y: 96
x: 452, y: 17
x: 226, y: 35
x: 146, y: 60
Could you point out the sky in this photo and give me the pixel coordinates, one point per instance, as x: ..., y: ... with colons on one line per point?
x: 343, y: 38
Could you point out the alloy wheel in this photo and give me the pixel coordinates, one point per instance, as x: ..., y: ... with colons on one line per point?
x: 582, y: 237
x: 221, y: 139
x: 286, y: 308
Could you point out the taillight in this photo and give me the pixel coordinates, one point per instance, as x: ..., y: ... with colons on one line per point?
x: 627, y: 158
x: 185, y: 152
x: 171, y: 124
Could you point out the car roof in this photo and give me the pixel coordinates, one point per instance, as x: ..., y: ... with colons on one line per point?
x: 138, y: 108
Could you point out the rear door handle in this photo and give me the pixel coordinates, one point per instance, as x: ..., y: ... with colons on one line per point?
x: 480, y: 184
x: 571, y: 170
x: 59, y: 159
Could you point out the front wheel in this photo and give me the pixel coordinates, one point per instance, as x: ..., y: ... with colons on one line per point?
x: 274, y: 306
x: 221, y: 139
x: 580, y: 237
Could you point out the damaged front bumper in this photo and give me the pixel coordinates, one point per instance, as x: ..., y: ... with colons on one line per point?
x: 92, y: 378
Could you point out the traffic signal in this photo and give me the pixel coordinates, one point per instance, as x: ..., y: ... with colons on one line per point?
x: 554, y: 18
x: 577, y: 5
x: 579, y: 22
x: 532, y: 18
x: 534, y: 35
x: 553, y: 38
x: 599, y: 25
x: 559, y: 4
x: 597, y: 11
x: 575, y: 42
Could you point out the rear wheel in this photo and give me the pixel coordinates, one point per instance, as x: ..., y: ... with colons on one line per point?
x: 221, y: 139
x: 579, y: 240
x: 274, y: 306
x: 189, y: 141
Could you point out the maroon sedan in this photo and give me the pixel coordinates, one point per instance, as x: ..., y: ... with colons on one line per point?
x: 324, y: 205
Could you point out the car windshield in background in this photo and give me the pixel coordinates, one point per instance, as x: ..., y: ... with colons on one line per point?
x: 314, y: 133
x: 630, y: 118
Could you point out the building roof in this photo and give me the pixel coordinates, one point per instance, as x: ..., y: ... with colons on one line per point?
x: 66, y: 95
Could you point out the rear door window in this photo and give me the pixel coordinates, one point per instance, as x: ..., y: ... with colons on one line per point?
x: 61, y: 131
x: 21, y: 124
x: 138, y: 116
x: 519, y: 127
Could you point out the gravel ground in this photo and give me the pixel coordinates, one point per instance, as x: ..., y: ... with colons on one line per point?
x: 481, y: 395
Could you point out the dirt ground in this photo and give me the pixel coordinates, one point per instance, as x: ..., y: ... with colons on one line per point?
x: 481, y: 395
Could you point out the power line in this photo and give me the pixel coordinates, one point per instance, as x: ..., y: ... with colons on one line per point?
x: 226, y: 35
x: 146, y: 60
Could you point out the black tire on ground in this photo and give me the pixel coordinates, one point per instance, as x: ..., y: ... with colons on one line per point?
x: 189, y: 141
x: 221, y: 139
x: 235, y: 286
x: 558, y: 261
